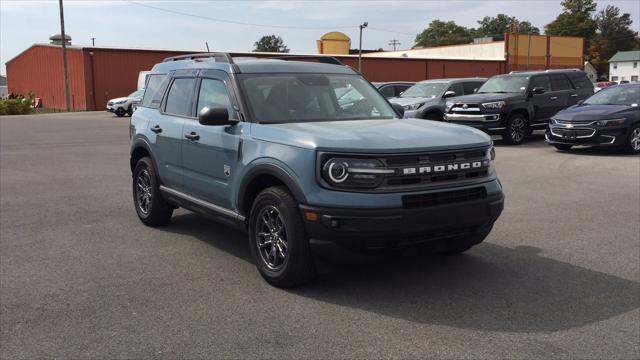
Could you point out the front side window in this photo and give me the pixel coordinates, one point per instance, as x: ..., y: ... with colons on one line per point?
x: 541, y: 81
x: 456, y: 88
x: 213, y: 94
x: 471, y: 87
x: 616, y: 95
x: 179, y: 97
x: 505, y: 84
x: 388, y: 91
x: 428, y: 89
x: 284, y: 98
x: 401, y: 88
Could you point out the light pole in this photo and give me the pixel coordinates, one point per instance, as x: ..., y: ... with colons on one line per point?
x: 64, y: 58
x: 93, y: 41
x: 364, y: 25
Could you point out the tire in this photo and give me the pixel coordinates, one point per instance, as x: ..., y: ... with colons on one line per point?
x: 517, y: 129
x: 275, y: 218
x: 563, y: 147
x: 633, y: 142
x: 151, y: 207
x: 130, y: 111
x: 464, y: 243
x: 433, y: 116
x: 120, y: 112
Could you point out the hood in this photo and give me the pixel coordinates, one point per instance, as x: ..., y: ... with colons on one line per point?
x: 482, y: 98
x: 404, y: 101
x: 119, y: 99
x: 373, y: 136
x: 592, y: 112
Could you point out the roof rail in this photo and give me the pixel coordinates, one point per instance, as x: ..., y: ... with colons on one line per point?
x: 217, y: 56
x: 552, y: 70
x: 321, y: 58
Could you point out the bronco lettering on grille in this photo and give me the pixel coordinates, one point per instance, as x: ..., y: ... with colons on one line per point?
x: 445, y: 167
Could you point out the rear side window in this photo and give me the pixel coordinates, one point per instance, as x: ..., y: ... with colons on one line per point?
x: 560, y: 82
x: 156, y: 85
x: 469, y: 87
x: 581, y: 82
x: 541, y: 81
x: 180, y: 96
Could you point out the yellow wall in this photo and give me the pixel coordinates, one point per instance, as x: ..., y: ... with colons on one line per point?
x: 564, y: 52
x: 334, y: 43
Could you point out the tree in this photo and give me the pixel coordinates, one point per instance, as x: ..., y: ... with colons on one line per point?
x: 443, y: 33
x: 614, y: 34
x: 493, y: 26
x: 270, y: 43
x: 575, y: 20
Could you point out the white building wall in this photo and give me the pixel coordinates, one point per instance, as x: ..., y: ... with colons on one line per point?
x: 488, y: 51
x: 624, y: 70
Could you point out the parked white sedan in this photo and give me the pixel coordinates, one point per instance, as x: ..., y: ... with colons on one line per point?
x: 124, y: 105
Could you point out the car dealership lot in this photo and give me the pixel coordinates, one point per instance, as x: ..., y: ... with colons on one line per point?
x: 80, y: 276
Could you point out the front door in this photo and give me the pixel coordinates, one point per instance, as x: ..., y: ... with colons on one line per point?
x: 210, y: 153
x: 543, y: 104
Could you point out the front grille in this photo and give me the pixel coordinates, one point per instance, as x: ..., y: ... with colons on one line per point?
x: 577, y: 132
x: 443, y: 198
x: 434, y: 169
x: 466, y: 109
x: 574, y: 122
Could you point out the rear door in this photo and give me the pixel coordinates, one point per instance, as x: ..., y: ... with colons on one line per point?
x: 210, y: 154
x: 543, y: 106
x: 582, y: 85
x: 563, y: 92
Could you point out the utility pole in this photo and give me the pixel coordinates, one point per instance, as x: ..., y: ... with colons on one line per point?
x: 64, y: 58
x: 93, y: 41
x: 207, y: 44
x: 364, y: 25
x: 394, y: 43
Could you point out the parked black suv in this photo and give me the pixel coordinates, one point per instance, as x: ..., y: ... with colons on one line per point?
x: 515, y: 104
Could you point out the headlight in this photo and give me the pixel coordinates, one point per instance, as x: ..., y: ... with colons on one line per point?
x: 448, y: 105
x: 353, y: 173
x: 491, y: 154
x: 494, y: 105
x: 611, y: 122
x: 412, y: 106
x: 552, y: 121
x: 120, y: 102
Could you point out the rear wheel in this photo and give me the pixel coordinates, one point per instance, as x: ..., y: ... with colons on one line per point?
x: 278, y: 240
x: 563, y: 147
x: 633, y: 143
x: 151, y: 208
x: 517, y: 129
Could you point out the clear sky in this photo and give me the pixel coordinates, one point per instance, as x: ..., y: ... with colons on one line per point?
x: 125, y: 23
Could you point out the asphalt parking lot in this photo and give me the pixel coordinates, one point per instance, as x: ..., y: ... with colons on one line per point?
x: 81, y: 277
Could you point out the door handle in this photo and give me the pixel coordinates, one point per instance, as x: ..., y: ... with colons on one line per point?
x: 553, y: 98
x: 156, y: 129
x: 574, y: 95
x: 193, y: 136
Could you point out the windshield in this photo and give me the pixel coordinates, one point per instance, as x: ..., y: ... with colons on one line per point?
x: 284, y: 98
x: 616, y: 95
x: 136, y: 94
x: 505, y: 84
x: 425, y: 89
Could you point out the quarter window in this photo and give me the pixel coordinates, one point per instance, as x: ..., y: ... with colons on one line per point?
x: 213, y: 94
x: 179, y: 97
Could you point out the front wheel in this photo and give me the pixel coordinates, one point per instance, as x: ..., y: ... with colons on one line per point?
x: 516, y: 130
x: 563, y: 147
x: 633, y: 144
x: 278, y: 240
x: 130, y: 110
x: 151, y: 208
x: 120, y: 112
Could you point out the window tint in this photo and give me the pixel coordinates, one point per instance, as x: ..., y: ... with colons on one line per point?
x: 213, y: 94
x: 469, y: 86
x: 581, y: 82
x: 457, y: 88
x: 388, y: 91
x: 179, y: 97
x: 156, y: 85
x: 541, y: 81
x: 560, y: 82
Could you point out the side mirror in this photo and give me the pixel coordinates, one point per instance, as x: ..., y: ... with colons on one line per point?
x: 537, y: 90
x: 448, y: 94
x: 399, y: 109
x: 475, y: 90
x: 215, y: 117
x: 402, y: 92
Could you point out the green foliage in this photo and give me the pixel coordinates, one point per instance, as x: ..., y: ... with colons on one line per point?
x: 575, y: 20
x: 500, y: 24
x: 270, y: 43
x: 443, y: 33
x: 614, y: 34
x: 19, y: 105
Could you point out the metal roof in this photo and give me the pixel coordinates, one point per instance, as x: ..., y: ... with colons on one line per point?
x: 626, y: 56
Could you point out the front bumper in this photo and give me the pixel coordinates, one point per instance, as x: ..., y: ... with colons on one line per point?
x: 364, y: 230
x: 587, y: 135
x: 489, y: 123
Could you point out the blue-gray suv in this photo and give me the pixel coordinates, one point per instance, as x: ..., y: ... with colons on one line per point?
x: 265, y: 145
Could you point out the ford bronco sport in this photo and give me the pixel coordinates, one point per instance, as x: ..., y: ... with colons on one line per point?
x: 264, y: 145
x: 515, y: 104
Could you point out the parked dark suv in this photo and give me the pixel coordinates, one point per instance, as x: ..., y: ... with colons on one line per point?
x: 266, y: 145
x: 515, y: 104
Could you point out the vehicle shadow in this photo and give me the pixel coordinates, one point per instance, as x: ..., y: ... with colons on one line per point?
x: 535, y: 140
x: 491, y: 287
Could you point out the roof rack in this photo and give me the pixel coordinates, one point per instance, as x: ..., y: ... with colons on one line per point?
x: 321, y: 58
x: 547, y: 70
x: 217, y: 56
